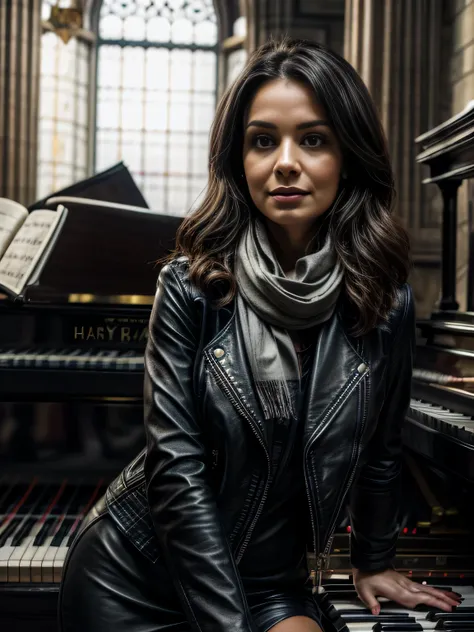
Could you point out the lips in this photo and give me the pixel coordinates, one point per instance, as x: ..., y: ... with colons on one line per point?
x: 288, y: 195
x: 288, y: 199
x: 288, y: 192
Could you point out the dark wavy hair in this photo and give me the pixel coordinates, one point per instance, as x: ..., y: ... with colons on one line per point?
x: 372, y: 246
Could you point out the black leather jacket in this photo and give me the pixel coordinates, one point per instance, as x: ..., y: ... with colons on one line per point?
x: 194, y: 495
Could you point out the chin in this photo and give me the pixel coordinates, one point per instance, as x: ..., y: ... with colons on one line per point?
x: 292, y: 216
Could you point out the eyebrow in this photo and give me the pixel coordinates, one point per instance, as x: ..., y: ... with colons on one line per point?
x: 300, y: 126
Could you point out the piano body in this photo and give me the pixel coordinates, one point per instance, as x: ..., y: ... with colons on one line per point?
x: 71, y: 383
x: 436, y: 544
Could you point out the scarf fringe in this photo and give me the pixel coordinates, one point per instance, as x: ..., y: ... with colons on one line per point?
x: 275, y: 399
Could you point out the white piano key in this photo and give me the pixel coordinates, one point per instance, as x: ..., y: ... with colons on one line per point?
x: 59, y: 558
x: 13, y: 565
x: 35, y: 569
x: 70, y: 357
x: 6, y: 551
x: 466, y: 591
x: 32, y: 559
x: 47, y: 563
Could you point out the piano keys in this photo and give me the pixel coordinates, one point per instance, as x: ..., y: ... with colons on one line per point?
x: 37, y: 525
x: 71, y: 359
x: 440, y: 422
x: 71, y: 384
x: 346, y: 613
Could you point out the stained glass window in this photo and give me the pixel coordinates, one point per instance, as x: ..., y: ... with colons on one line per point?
x: 63, y: 109
x: 156, y: 94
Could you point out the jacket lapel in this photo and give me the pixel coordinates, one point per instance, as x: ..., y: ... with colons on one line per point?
x: 228, y: 349
x: 336, y: 366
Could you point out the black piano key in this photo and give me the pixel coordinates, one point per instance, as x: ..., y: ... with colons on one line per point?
x: 462, y: 622
x: 339, y: 587
x: 434, y: 615
x: 9, y: 530
x: 397, y: 627
x: 45, y: 531
x: 62, y: 532
x: 457, y: 629
x: 73, y: 535
x: 23, y: 531
x: 383, y: 617
x: 460, y: 612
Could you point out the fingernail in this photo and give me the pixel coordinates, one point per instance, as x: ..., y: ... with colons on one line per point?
x: 375, y: 610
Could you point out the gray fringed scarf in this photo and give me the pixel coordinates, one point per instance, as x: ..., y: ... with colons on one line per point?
x: 270, y: 303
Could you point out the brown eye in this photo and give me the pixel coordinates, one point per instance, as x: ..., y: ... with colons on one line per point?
x: 316, y: 140
x: 262, y: 141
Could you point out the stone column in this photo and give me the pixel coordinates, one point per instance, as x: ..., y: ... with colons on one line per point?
x: 396, y: 47
x: 20, y: 36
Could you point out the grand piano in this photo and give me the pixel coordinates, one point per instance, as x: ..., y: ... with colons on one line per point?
x: 436, y: 544
x: 71, y: 382
x: 71, y: 416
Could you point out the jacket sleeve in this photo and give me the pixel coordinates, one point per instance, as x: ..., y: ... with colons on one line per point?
x: 182, y: 503
x: 375, y: 499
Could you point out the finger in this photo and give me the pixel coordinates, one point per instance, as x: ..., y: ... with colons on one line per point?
x: 369, y: 600
x: 402, y: 594
x: 441, y: 594
x: 425, y: 598
x: 449, y: 597
x: 450, y: 593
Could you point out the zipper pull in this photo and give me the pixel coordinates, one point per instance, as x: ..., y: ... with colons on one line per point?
x: 322, y: 564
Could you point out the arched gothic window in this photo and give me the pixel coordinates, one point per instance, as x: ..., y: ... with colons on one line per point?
x: 156, y: 95
x: 63, y: 125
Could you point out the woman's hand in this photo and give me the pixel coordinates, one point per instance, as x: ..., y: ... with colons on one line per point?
x: 400, y: 589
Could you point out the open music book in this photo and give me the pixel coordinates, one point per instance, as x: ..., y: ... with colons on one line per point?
x: 24, y: 238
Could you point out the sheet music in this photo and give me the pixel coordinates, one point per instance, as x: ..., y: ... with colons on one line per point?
x: 26, y: 248
x: 12, y: 216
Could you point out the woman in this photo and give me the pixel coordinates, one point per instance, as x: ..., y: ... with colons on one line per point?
x: 277, y: 376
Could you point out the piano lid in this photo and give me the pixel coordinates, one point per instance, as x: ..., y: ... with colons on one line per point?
x: 115, y: 184
x: 105, y: 253
x: 449, y: 148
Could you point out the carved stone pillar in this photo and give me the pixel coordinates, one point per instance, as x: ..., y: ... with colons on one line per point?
x: 20, y: 31
x: 395, y: 45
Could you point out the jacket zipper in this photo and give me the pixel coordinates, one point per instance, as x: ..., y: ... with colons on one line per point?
x: 322, y: 559
x: 228, y: 388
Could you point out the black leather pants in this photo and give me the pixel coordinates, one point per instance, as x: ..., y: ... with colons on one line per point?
x: 108, y: 586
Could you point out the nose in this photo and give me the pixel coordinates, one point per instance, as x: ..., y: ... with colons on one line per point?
x: 286, y: 163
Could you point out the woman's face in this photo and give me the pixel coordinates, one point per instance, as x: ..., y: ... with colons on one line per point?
x: 288, y: 143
